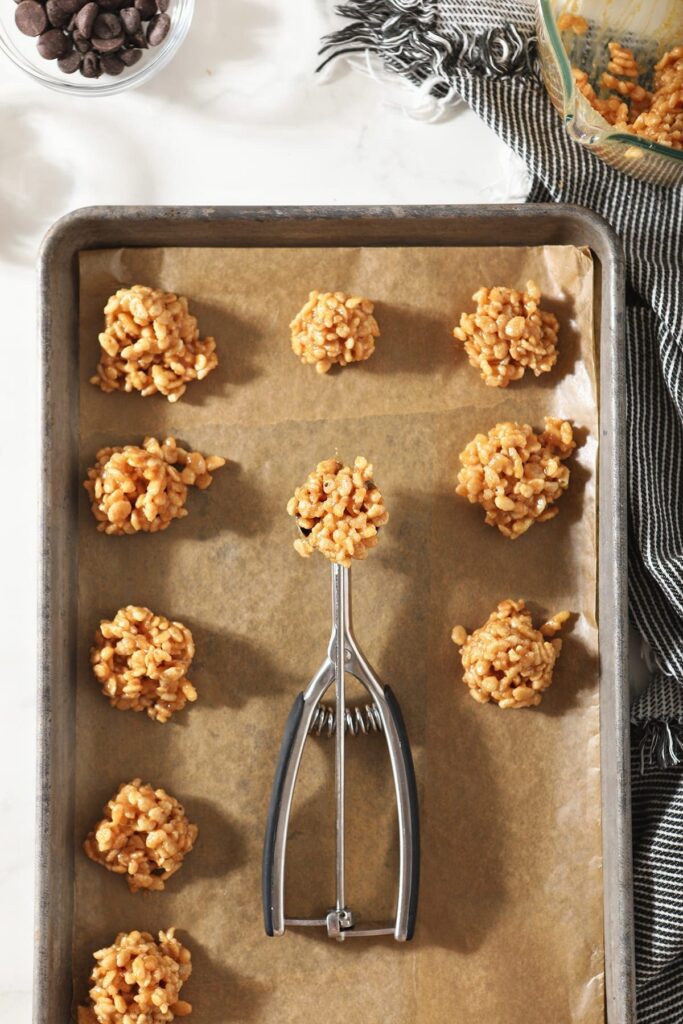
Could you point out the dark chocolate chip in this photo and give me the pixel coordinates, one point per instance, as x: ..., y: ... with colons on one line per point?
x: 52, y: 44
x: 71, y: 6
x: 147, y: 8
x: 81, y: 43
x: 85, y: 19
x: 130, y: 57
x: 139, y: 39
x: 130, y: 17
x: 158, y: 29
x: 58, y: 17
x: 30, y: 18
x: 111, y: 64
x: 70, y: 63
x: 108, y: 45
x: 106, y: 26
x: 90, y: 68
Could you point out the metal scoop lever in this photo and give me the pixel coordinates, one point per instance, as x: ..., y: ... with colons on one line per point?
x: 343, y: 656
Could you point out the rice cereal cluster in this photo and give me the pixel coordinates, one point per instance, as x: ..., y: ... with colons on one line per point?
x: 508, y: 333
x: 339, y: 510
x: 144, y: 835
x: 508, y: 660
x: 656, y: 115
x: 151, y: 344
x: 142, y: 660
x: 138, y: 980
x: 334, y: 328
x: 135, y: 489
x: 516, y: 475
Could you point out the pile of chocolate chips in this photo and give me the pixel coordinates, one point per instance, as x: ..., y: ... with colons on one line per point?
x: 94, y: 37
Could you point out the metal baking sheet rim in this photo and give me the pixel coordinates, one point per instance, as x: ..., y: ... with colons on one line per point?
x: 115, y: 227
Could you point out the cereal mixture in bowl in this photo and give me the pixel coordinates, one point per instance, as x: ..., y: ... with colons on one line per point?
x: 508, y: 333
x: 516, y: 475
x: 508, y: 660
x: 655, y: 114
x: 144, y: 835
x: 151, y: 344
x: 134, y: 489
x: 142, y: 660
x: 137, y: 980
x: 339, y: 510
x: 334, y: 328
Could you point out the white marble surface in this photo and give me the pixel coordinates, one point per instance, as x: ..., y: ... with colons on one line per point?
x: 238, y: 117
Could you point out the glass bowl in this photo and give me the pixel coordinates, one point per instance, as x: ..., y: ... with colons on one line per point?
x: 649, y: 28
x: 22, y: 51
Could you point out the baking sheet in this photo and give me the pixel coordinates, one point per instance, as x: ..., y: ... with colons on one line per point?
x: 510, y: 919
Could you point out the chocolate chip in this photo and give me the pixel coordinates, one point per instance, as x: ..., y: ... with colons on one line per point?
x: 90, y: 68
x: 147, y: 8
x: 106, y: 26
x: 112, y: 64
x: 30, y: 18
x: 81, y: 43
x: 85, y: 19
x: 57, y: 16
x: 52, y: 44
x: 70, y: 6
x: 139, y: 39
x: 70, y: 63
x: 158, y: 29
x: 130, y: 17
x: 108, y: 45
x: 130, y: 57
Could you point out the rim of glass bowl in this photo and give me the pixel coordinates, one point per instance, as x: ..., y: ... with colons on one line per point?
x: 183, y: 11
x: 570, y: 100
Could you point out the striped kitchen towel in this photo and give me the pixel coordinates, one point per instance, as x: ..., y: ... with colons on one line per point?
x: 485, y: 54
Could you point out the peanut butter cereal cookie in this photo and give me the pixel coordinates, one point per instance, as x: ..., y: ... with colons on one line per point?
x: 144, y: 835
x: 134, y: 489
x: 142, y: 660
x: 333, y: 327
x: 339, y: 510
x: 516, y: 475
x: 508, y: 660
x: 508, y: 333
x: 151, y: 344
x: 137, y: 980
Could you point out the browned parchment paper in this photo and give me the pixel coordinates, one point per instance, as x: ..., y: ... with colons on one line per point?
x: 510, y: 920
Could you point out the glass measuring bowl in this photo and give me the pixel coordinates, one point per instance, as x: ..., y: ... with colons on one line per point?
x: 649, y: 28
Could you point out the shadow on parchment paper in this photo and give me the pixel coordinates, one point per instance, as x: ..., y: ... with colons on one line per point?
x: 457, y: 907
x: 568, y: 347
x: 410, y: 342
x: 230, y: 670
x: 220, y: 846
x: 233, y: 503
x: 237, y: 342
x: 214, y: 988
x: 562, y: 697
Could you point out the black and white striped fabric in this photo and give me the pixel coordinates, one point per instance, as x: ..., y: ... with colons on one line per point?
x: 485, y: 53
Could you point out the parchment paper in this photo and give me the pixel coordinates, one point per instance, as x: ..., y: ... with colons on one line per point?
x: 510, y: 917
